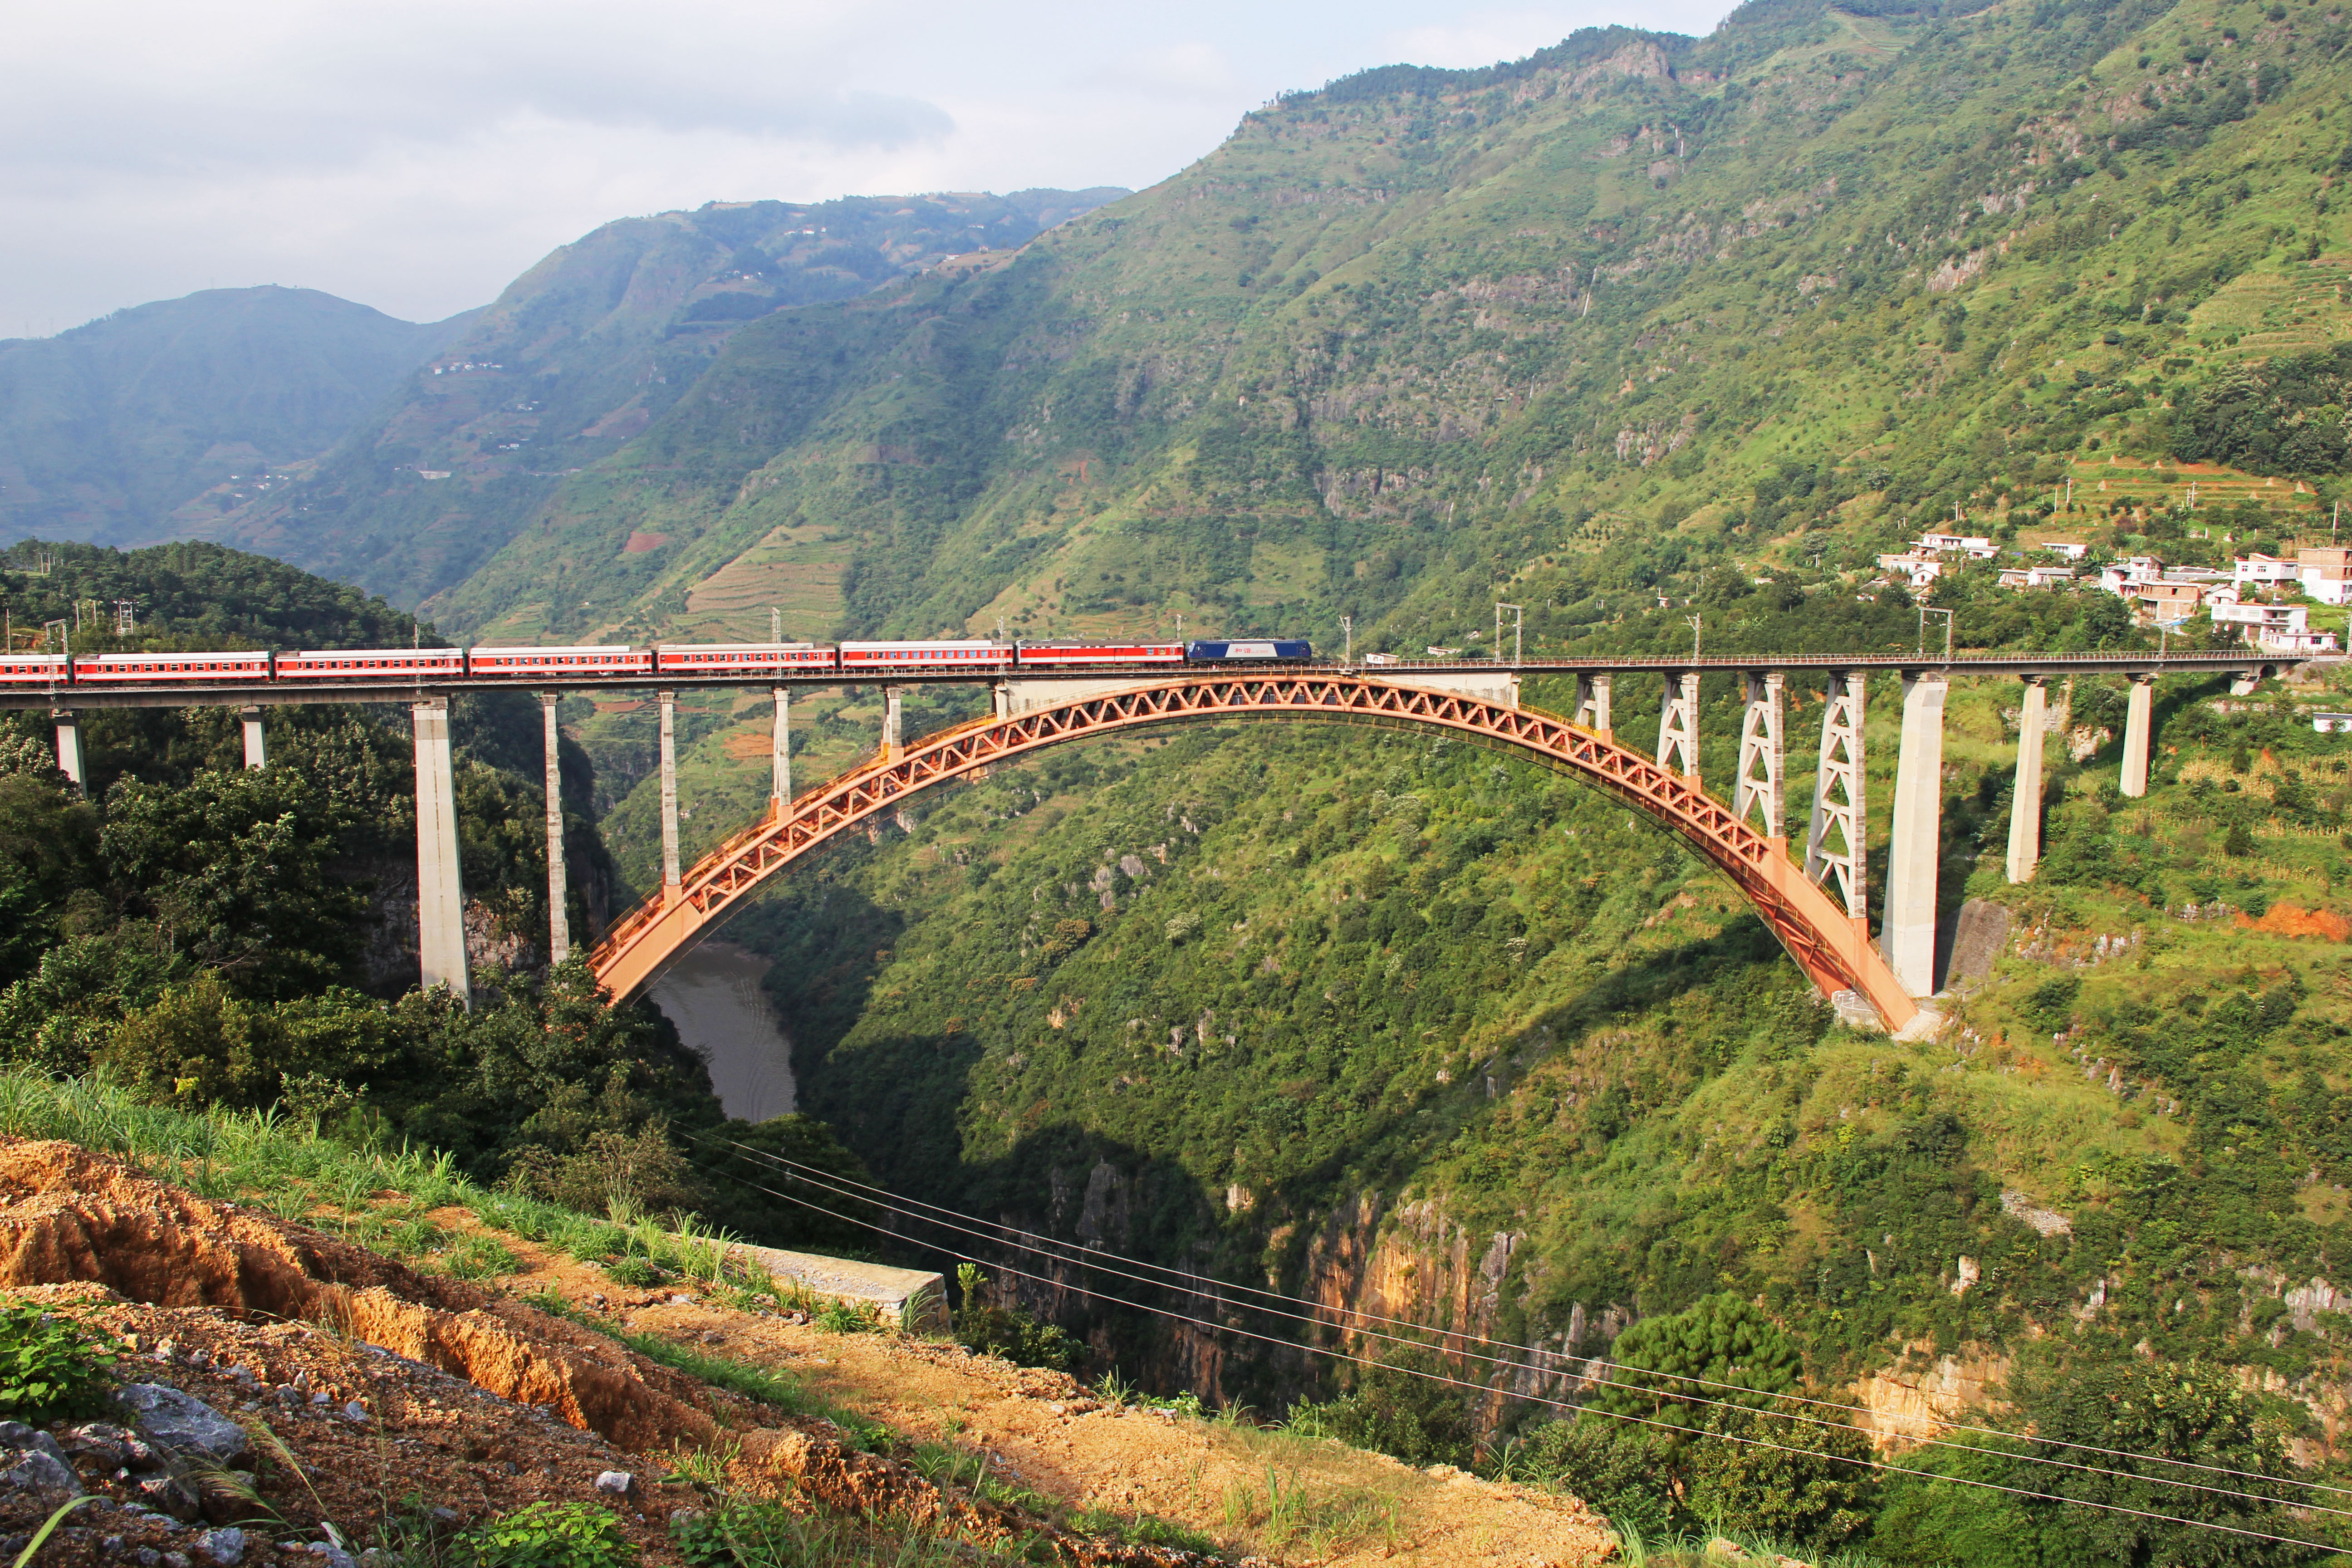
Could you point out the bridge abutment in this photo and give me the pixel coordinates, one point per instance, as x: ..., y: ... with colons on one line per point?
x: 440, y: 896
x: 69, y: 747
x: 2025, y: 793
x: 1908, y: 931
x: 559, y: 919
x: 256, y: 753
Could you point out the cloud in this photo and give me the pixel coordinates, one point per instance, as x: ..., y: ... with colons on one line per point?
x: 1190, y: 69
x: 297, y: 85
x: 1485, y: 38
x: 416, y: 156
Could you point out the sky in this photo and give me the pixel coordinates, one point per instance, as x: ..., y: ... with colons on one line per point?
x: 417, y: 156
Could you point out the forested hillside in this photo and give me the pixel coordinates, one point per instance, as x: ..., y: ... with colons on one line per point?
x: 247, y: 939
x: 142, y: 425
x: 582, y: 353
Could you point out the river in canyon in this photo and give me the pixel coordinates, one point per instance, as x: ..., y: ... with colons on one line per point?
x: 713, y: 995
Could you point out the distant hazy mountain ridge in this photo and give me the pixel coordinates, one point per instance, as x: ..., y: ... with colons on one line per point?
x: 146, y: 423
x: 581, y: 354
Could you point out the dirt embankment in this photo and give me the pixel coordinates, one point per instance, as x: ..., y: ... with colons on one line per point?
x: 470, y: 1400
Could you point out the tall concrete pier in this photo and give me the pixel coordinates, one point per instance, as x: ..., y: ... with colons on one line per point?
x: 440, y: 896
x: 559, y: 919
x: 1909, y: 925
x: 2025, y: 794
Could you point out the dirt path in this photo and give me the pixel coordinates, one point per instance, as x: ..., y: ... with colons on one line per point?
x: 1290, y: 1499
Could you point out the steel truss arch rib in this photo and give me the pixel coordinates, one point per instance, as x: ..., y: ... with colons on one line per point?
x: 1811, y: 925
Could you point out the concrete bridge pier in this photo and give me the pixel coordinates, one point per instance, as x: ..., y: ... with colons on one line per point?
x: 2138, y: 714
x: 1592, y: 705
x: 893, y: 722
x: 559, y: 920
x: 779, y: 753
x: 670, y: 876
x: 440, y: 897
x: 256, y: 756
x: 2025, y: 794
x: 1908, y: 931
x: 1763, y: 759
x: 69, y: 747
x: 1834, y: 846
x: 1678, y: 727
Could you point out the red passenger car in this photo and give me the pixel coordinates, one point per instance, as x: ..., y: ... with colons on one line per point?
x: 395, y: 664
x: 742, y: 657
x: 42, y: 669
x: 1063, y: 654
x: 168, y: 668
x: 880, y: 658
x: 558, y: 663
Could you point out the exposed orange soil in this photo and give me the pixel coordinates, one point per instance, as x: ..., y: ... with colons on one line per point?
x: 2289, y: 920
x: 485, y: 1402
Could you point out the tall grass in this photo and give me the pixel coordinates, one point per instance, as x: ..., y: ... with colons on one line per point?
x: 290, y: 1167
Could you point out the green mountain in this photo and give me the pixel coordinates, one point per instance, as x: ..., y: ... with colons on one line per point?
x: 1423, y: 338
x: 580, y: 355
x: 1639, y: 330
x: 135, y: 426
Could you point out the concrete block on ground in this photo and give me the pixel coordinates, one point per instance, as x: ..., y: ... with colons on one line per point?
x: 865, y: 1284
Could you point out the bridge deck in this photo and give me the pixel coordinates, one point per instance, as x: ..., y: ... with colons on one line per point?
x: 268, y: 693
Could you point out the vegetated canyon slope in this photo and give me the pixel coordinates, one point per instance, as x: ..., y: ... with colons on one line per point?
x: 143, y: 425
x: 1417, y: 1029
x: 579, y: 355
x: 299, y: 875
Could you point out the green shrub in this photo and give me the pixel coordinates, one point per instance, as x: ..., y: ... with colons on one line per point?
x: 1392, y: 1410
x: 739, y: 1533
x: 848, y: 1317
x: 1010, y: 1333
x: 633, y: 1270
x: 51, y: 1367
x: 481, y: 1257
x: 549, y: 1535
x: 2050, y: 1006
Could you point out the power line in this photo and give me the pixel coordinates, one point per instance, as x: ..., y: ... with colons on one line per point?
x: 1562, y: 1405
x: 1589, y: 1375
x: 1091, y: 1255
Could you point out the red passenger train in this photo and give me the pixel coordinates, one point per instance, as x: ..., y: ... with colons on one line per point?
x: 687, y: 661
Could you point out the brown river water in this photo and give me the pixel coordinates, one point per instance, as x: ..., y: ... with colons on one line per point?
x: 713, y: 995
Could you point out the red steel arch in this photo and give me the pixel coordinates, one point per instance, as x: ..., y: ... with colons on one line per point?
x: 1834, y: 951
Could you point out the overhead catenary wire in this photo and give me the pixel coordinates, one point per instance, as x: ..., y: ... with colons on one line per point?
x: 1091, y: 1256
x: 1879, y: 1465
x: 1588, y: 1376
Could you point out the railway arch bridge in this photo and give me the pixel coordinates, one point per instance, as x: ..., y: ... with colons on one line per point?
x: 1814, y: 901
